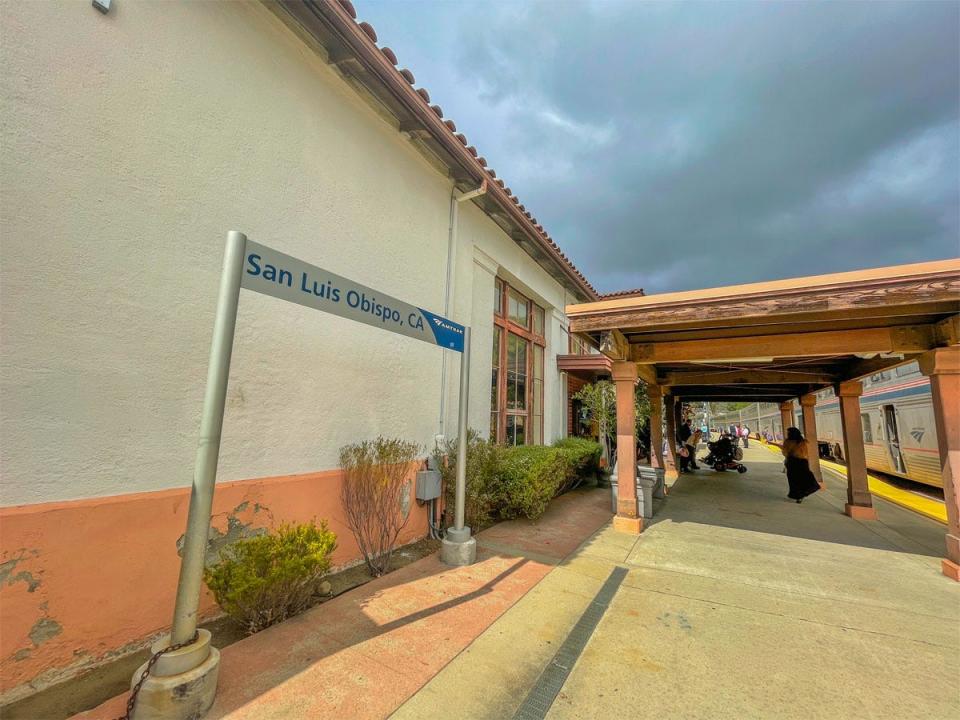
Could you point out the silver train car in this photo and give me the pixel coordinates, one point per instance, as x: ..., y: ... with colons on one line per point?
x: 896, y: 409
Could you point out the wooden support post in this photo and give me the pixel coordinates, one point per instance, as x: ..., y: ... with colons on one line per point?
x: 786, y: 416
x: 656, y: 425
x: 808, y: 405
x: 670, y: 459
x: 859, y: 501
x: 628, y: 517
x: 942, y: 366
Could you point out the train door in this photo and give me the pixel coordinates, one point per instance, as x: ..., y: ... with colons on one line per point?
x: 893, y: 438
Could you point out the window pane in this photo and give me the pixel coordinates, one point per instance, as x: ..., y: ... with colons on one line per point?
x: 518, y: 308
x: 495, y: 373
x: 497, y: 296
x: 494, y: 424
x: 516, y: 372
x: 538, y: 319
x: 867, y: 430
x: 516, y: 433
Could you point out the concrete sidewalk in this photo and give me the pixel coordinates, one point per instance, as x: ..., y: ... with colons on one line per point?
x: 737, y: 604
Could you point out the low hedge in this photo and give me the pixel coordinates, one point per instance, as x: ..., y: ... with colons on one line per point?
x: 505, y: 482
x: 584, y: 457
x: 483, y: 460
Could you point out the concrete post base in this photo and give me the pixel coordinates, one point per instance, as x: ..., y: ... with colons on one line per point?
x: 631, y: 526
x: 950, y: 569
x: 860, y: 512
x: 458, y: 548
x: 181, y: 694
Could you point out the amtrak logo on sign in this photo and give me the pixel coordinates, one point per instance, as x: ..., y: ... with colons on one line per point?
x: 917, y: 434
x: 448, y: 334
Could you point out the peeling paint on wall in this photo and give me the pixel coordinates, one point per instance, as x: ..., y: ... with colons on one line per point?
x: 44, y: 629
x: 7, y: 567
x: 237, y: 529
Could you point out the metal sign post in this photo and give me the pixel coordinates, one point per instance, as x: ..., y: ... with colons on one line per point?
x: 208, y: 447
x: 180, y: 687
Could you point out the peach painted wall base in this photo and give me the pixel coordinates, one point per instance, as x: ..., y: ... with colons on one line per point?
x: 860, y: 512
x: 91, y: 580
x: 950, y: 569
x: 631, y: 526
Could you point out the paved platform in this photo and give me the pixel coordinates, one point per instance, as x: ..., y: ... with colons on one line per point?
x: 735, y: 603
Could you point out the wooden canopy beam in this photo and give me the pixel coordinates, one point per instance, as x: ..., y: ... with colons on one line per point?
x: 746, y: 377
x: 948, y: 331
x: 614, y: 345
x: 908, y: 339
x: 907, y: 290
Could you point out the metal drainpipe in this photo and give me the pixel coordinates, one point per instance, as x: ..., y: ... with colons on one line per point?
x: 453, y: 224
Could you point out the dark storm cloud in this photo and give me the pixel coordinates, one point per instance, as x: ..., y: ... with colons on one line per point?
x: 686, y: 145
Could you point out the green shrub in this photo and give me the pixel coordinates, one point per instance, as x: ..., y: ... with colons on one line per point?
x: 505, y: 482
x: 483, y: 459
x: 530, y: 477
x: 584, y: 458
x: 263, y: 580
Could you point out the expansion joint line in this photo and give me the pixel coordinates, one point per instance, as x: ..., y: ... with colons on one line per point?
x: 545, y: 690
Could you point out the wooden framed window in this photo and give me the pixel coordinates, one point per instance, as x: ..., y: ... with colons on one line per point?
x: 516, y: 386
x: 518, y: 308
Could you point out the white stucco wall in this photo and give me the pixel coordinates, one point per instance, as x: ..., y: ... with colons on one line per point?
x: 131, y: 143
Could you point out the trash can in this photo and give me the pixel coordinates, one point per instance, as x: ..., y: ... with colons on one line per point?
x: 659, y: 478
x: 645, y: 486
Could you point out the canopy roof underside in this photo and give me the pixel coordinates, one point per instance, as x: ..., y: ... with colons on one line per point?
x: 775, y: 341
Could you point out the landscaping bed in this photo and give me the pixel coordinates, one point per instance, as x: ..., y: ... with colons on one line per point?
x: 98, y: 685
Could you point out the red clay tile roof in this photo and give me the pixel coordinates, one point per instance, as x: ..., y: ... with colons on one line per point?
x: 636, y: 292
x: 498, y: 189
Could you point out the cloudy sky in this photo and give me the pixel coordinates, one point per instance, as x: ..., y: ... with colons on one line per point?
x: 673, y: 146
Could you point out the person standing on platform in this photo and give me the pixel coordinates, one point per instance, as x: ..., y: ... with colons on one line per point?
x: 692, y: 444
x: 799, y: 476
x: 745, y: 434
x: 683, y: 438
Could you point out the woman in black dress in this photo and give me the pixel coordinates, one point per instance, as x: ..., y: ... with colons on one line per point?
x: 801, y: 480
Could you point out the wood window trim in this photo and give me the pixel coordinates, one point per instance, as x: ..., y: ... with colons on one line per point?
x: 502, y: 320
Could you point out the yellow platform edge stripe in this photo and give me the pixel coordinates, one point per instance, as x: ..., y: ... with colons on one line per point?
x: 923, y: 505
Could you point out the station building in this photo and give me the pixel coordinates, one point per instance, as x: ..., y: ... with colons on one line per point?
x: 133, y: 141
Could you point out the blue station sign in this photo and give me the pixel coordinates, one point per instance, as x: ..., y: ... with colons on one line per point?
x: 281, y: 276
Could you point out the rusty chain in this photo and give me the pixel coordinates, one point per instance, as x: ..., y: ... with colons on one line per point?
x: 146, y: 671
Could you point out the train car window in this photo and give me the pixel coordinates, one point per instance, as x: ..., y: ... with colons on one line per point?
x: 867, y: 430
x: 906, y: 370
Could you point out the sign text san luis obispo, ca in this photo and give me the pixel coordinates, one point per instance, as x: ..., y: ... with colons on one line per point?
x: 281, y: 276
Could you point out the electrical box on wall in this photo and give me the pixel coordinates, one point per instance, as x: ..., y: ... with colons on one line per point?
x: 428, y: 484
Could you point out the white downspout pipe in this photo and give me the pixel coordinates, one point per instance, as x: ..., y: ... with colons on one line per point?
x: 452, y: 233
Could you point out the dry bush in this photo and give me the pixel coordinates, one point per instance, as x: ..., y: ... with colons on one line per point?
x: 375, y: 479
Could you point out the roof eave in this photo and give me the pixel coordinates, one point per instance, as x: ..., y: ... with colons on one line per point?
x: 356, y: 56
